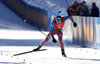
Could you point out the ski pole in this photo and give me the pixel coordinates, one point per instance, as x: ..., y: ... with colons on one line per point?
x: 68, y: 7
x: 38, y: 29
x: 42, y: 32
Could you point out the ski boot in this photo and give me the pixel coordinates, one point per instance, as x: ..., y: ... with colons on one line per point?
x: 63, y: 53
x: 37, y: 48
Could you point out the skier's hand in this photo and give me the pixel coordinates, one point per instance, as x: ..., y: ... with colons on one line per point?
x: 54, y: 40
x: 74, y: 24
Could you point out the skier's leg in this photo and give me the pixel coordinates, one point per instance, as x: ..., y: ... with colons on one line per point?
x: 63, y: 52
x: 42, y: 43
x: 60, y: 35
x: 46, y: 39
x: 60, y: 39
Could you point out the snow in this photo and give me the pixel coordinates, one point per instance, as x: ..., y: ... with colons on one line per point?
x: 50, y: 56
x: 16, y: 36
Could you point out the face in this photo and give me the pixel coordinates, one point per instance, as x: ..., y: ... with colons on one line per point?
x: 75, y: 3
x: 58, y: 20
x: 73, y: 9
x: 84, y: 4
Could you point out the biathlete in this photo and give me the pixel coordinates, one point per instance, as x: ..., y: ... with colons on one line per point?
x: 57, y: 25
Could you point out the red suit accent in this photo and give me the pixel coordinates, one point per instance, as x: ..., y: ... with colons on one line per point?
x: 59, y: 26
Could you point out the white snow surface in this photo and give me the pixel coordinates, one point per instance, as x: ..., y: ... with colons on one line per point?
x: 51, y: 56
x: 16, y: 36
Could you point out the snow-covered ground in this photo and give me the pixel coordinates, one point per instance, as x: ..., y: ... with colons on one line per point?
x: 51, y: 56
x: 17, y: 36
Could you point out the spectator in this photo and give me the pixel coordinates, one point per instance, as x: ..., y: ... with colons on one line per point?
x: 72, y: 9
x: 94, y: 10
x: 81, y: 11
x: 75, y: 4
x: 86, y: 7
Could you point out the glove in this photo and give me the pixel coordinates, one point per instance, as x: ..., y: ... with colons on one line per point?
x: 54, y: 40
x: 74, y: 24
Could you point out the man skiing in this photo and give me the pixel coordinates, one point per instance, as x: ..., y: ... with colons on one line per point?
x: 55, y: 29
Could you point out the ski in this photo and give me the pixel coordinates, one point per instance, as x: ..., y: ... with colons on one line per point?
x: 69, y: 57
x: 28, y: 52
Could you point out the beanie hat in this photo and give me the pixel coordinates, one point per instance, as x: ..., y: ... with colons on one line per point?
x: 93, y: 4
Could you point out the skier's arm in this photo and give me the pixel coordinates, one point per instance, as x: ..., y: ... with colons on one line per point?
x: 51, y: 32
x: 69, y: 17
x: 53, y: 39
